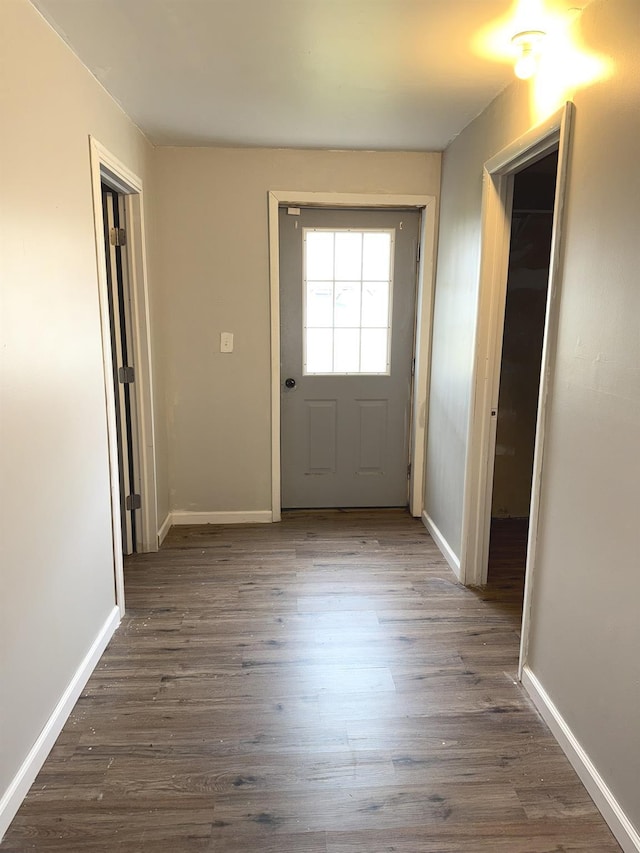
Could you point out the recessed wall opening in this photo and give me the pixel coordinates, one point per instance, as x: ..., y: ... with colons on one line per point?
x: 522, y: 341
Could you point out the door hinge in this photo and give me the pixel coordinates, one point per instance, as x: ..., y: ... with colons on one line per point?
x: 409, y: 471
x: 418, y: 254
x: 133, y: 502
x: 126, y: 375
x: 118, y: 237
x: 413, y: 367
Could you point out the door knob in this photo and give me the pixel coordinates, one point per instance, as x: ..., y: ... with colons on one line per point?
x: 290, y: 383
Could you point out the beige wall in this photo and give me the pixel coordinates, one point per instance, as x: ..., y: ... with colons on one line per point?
x: 585, y: 632
x: 214, y: 265
x: 57, y: 568
x: 456, y: 304
x: 586, y: 619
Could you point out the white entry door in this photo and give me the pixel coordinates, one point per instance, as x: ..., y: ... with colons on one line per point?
x: 347, y: 320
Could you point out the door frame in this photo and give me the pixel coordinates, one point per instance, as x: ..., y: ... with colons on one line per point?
x: 424, y: 315
x: 105, y: 167
x: 498, y: 179
x: 122, y: 337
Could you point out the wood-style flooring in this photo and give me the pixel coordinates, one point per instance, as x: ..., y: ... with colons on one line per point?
x: 323, y: 685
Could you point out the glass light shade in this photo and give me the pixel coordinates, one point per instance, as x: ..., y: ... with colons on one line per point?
x: 526, y: 66
x: 528, y: 46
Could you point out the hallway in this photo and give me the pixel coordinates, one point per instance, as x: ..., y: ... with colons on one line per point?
x: 322, y: 685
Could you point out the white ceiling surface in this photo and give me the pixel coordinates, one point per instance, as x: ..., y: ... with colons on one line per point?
x: 372, y: 74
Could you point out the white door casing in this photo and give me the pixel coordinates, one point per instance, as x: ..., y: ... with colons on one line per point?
x: 424, y: 310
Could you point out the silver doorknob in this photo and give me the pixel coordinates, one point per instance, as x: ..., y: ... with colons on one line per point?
x: 290, y: 383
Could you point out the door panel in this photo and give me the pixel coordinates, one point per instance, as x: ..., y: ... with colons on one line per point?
x: 372, y: 435
x: 345, y: 434
x: 321, y: 426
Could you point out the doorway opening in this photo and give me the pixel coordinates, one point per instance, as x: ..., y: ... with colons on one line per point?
x: 519, y: 372
x: 123, y: 366
x: 551, y: 139
x: 417, y: 416
x: 118, y: 208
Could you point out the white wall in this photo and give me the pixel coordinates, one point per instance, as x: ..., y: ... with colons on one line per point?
x: 585, y: 631
x: 214, y: 266
x: 57, y: 566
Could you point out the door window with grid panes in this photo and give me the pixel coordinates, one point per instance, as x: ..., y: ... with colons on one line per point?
x: 348, y: 284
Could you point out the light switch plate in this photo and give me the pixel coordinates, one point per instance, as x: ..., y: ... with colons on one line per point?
x: 226, y: 341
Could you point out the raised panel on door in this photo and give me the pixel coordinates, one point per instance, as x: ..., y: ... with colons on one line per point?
x: 371, y: 436
x: 321, y: 436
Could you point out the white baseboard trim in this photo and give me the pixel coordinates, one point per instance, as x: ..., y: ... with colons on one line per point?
x: 262, y: 516
x: 624, y: 831
x: 441, y: 542
x: 165, y: 527
x: 22, y: 781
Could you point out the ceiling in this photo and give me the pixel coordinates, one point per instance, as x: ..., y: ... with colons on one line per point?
x: 361, y: 74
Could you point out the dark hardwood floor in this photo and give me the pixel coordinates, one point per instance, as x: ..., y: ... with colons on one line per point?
x: 318, y: 686
x: 507, y: 564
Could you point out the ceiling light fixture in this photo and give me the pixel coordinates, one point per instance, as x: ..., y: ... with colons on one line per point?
x: 528, y: 45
